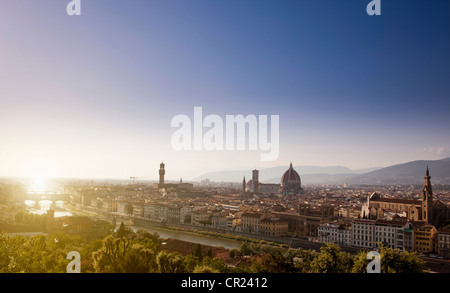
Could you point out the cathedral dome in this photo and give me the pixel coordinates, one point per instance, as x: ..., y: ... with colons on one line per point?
x: 290, y: 181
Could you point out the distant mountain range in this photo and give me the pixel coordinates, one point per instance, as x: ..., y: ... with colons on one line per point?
x: 273, y: 175
x: 407, y: 173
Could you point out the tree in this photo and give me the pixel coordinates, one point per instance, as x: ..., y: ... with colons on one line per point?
x: 215, y: 263
x: 190, y: 262
x: 18, y: 217
x: 396, y: 261
x: 108, y: 259
x: 274, y: 263
x: 205, y: 270
x: 332, y: 260
x: 234, y: 252
x: 129, y: 209
x: 391, y: 261
x: 169, y: 262
x: 198, y: 252
x: 121, y: 232
x: 139, y: 260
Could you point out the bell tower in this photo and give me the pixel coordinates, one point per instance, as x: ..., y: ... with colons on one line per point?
x: 255, y: 181
x: 162, y: 172
x: 427, y: 198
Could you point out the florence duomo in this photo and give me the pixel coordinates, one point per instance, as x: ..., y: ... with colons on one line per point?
x: 290, y: 183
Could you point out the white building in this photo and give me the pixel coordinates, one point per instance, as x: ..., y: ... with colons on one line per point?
x: 397, y: 234
x: 138, y: 210
x: 149, y: 211
x: 444, y: 242
x: 201, y: 218
x: 363, y: 233
x: 394, y: 234
x: 121, y: 207
x: 185, y: 213
x: 335, y: 233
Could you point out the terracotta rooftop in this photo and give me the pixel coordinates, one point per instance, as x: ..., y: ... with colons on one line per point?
x: 444, y: 231
x: 397, y: 200
x: 185, y: 247
x: 397, y: 223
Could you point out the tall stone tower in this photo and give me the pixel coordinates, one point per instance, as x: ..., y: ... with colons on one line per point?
x: 162, y: 172
x: 427, y: 199
x: 255, y: 174
x: 244, y: 185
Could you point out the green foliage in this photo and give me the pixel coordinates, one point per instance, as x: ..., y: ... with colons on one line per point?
x: 392, y: 261
x: 170, y: 262
x: 332, y: 260
x: 36, y: 254
x: 129, y: 209
x: 205, y: 270
x: 24, y: 217
x: 198, y: 252
x: 141, y: 252
x: 190, y: 263
x: 121, y: 232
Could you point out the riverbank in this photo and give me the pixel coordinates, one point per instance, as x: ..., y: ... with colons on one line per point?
x: 280, y: 242
x: 218, y: 235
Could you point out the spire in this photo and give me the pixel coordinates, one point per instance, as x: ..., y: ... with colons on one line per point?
x: 427, y: 199
x: 427, y: 177
x: 290, y: 166
x: 427, y: 183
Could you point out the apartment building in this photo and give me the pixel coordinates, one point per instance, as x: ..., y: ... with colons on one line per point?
x: 273, y: 227
x: 397, y: 234
x: 394, y: 234
x: 363, y: 233
x: 444, y: 242
x: 334, y: 232
x: 425, y: 237
x: 250, y: 222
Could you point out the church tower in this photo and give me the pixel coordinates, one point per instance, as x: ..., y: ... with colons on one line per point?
x: 427, y: 199
x: 244, y: 185
x: 255, y: 181
x: 162, y: 172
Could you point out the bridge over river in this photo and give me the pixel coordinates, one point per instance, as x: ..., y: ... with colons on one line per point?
x: 53, y: 196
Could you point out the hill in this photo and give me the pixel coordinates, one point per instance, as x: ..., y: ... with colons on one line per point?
x: 312, y: 174
x: 406, y: 173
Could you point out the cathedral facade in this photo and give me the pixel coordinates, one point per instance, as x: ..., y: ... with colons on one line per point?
x: 425, y: 209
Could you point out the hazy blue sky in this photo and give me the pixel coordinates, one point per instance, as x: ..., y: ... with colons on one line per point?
x: 94, y: 95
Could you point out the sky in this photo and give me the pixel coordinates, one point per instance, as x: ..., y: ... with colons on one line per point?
x: 93, y: 96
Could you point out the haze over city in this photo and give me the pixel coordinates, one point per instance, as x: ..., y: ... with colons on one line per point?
x: 93, y: 96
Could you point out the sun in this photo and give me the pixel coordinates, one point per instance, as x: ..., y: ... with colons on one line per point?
x: 38, y: 171
x: 38, y: 184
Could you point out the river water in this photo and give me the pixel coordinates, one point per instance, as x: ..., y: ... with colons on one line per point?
x: 164, y: 234
x: 42, y: 206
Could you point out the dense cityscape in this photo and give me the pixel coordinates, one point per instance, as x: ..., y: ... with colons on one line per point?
x: 286, y: 217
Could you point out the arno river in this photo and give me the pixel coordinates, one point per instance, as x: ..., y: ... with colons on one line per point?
x: 163, y: 233
x: 42, y: 206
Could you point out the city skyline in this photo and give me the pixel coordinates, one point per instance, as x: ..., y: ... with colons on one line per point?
x: 93, y: 96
